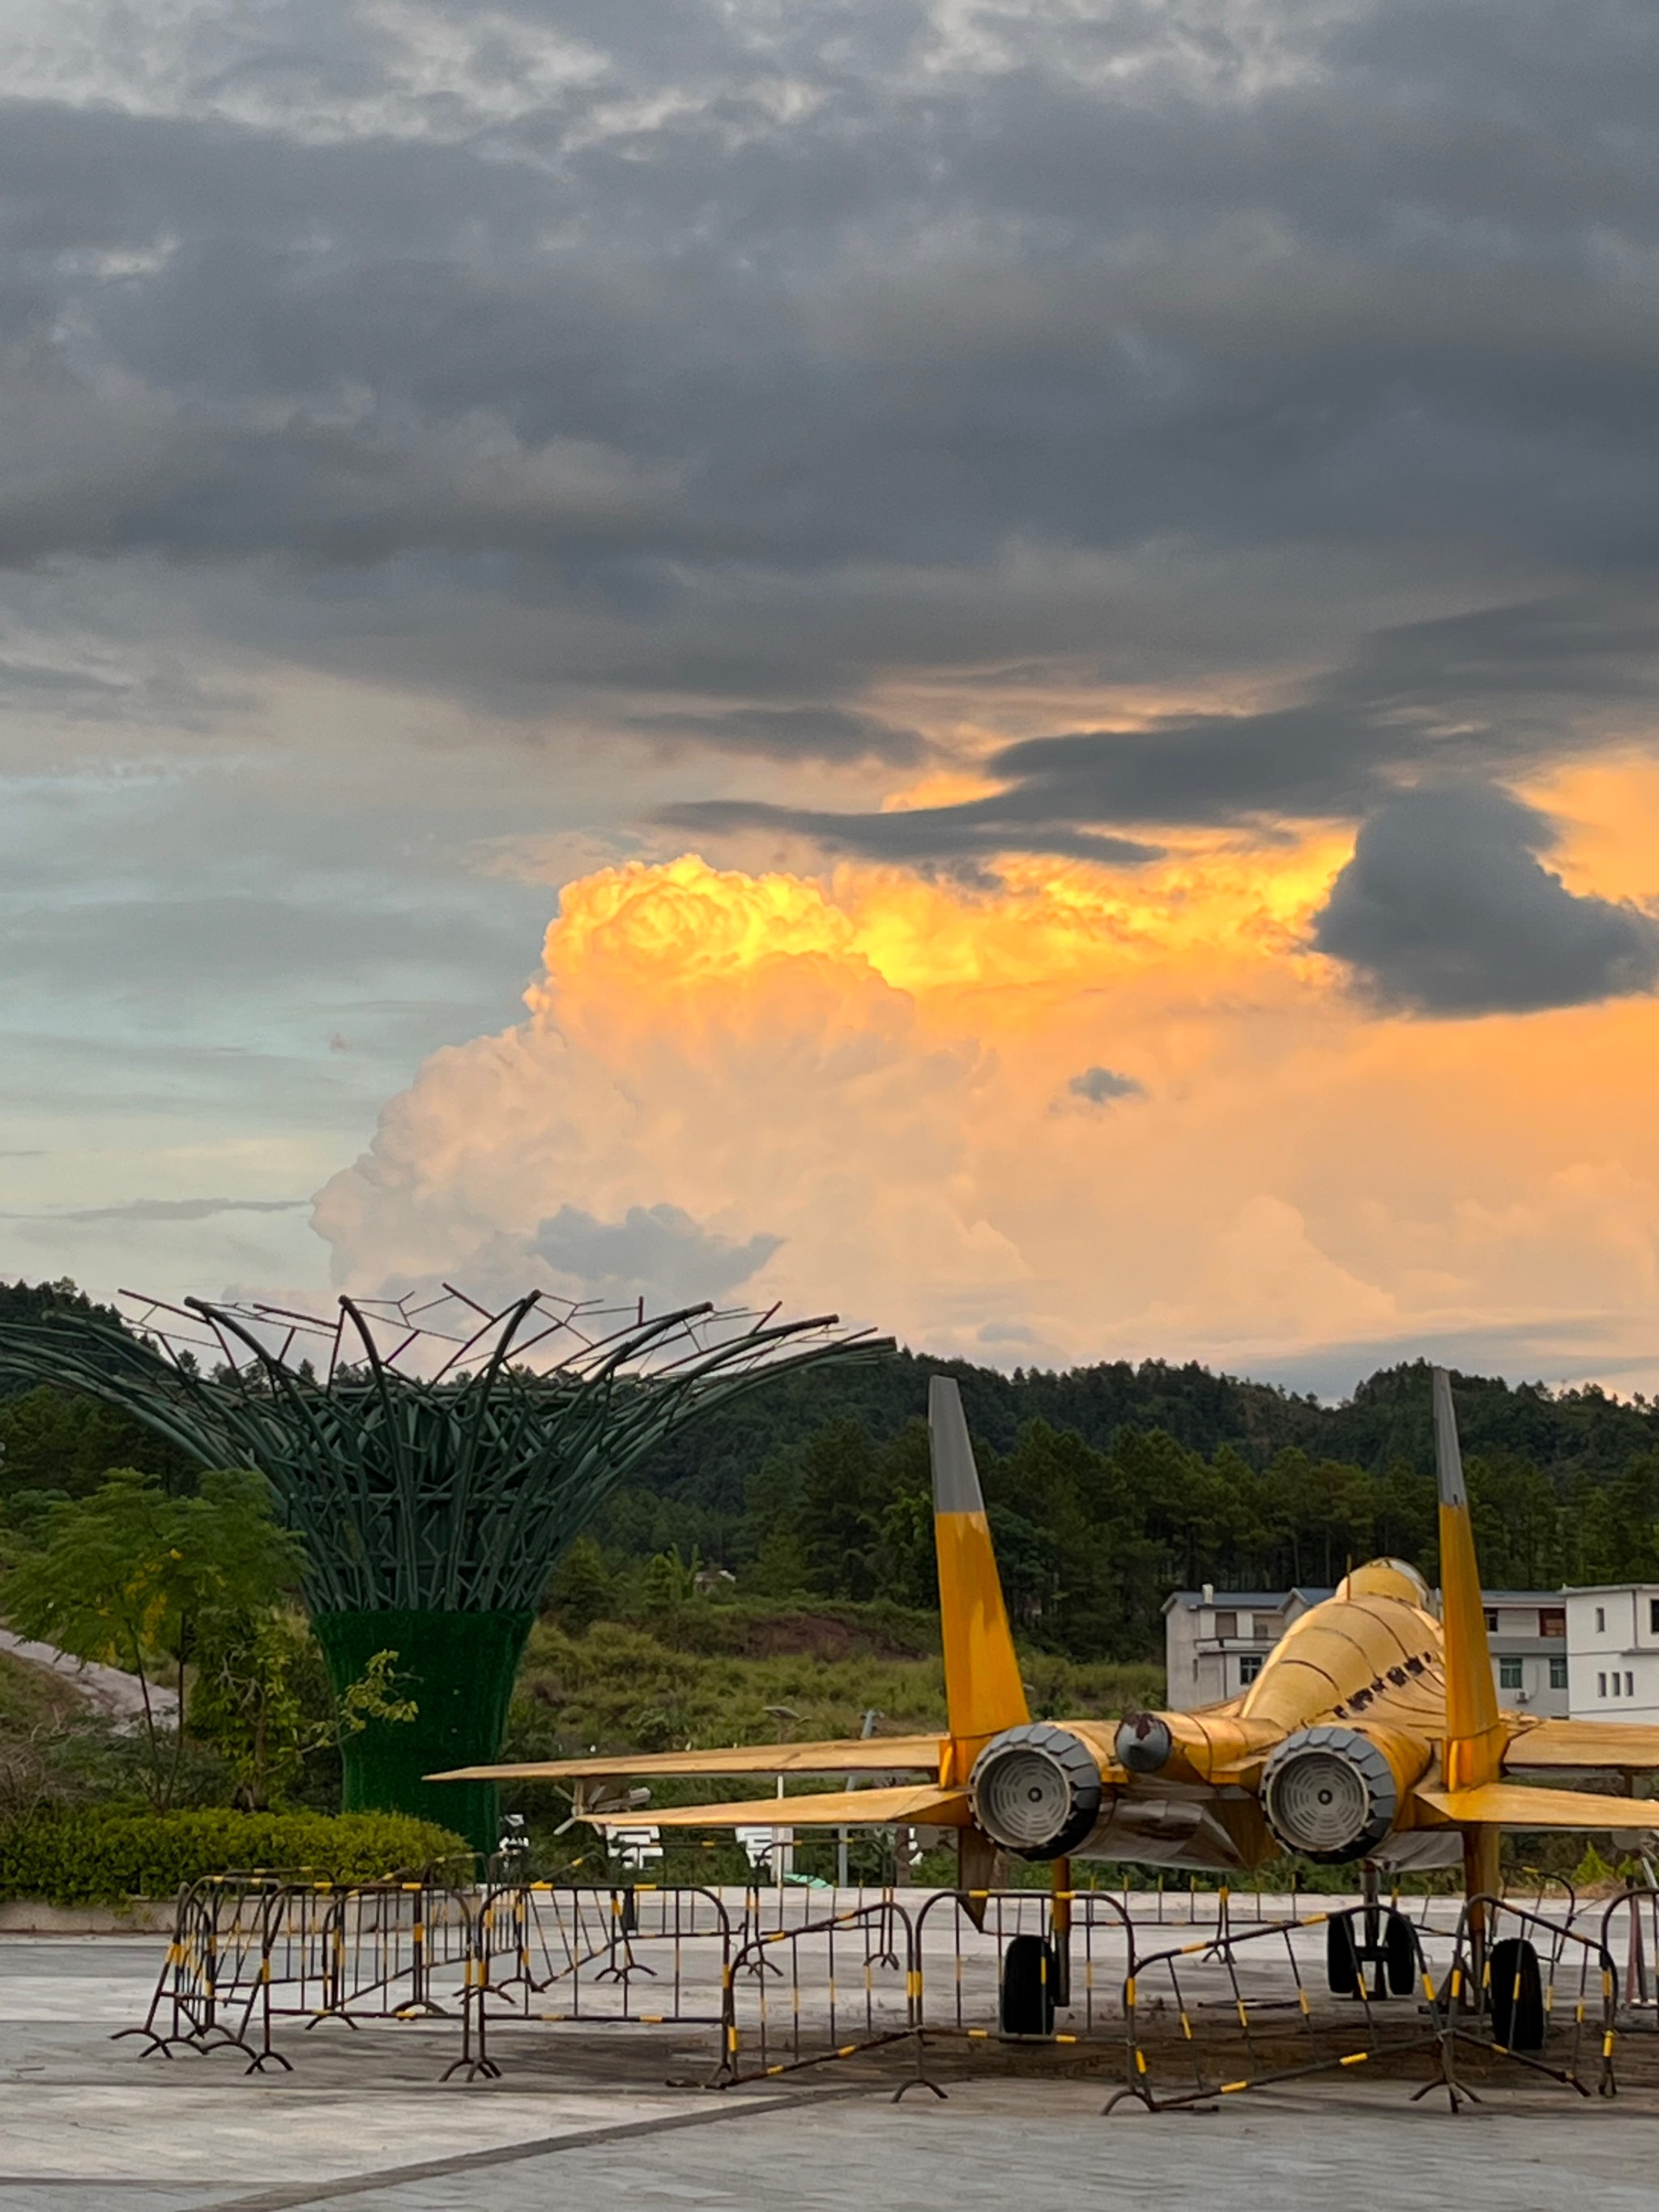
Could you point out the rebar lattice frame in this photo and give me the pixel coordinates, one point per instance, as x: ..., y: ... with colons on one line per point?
x: 455, y: 1489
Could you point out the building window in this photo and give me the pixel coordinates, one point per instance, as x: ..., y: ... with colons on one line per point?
x: 1491, y: 1620
x: 1600, y: 1685
x: 1249, y: 1666
x: 1226, y: 1624
x: 1601, y: 1620
x: 1653, y: 1614
x: 1616, y: 1685
x: 1558, y: 1673
x: 1552, y: 1621
x: 1509, y: 1674
x: 1630, y: 1686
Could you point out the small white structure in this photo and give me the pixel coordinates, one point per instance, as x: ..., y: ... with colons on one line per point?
x: 1612, y: 1648
x: 635, y: 1849
x: 770, y: 1850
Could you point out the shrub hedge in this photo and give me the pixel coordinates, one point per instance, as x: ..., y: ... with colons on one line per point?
x: 105, y: 1855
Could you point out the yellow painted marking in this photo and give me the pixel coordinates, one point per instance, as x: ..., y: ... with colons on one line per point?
x: 913, y: 1983
x: 1232, y: 2088
x: 982, y: 1688
x: 1301, y: 1999
x: 1065, y: 2038
x: 1129, y: 1991
x: 978, y: 2034
x: 1186, y: 2028
x: 1140, y: 2061
x: 846, y: 2050
x: 1243, y: 2016
x: 1354, y: 2058
x: 1607, y: 2045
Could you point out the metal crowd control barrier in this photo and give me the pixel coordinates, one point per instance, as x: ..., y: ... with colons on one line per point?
x: 1241, y: 2005
x: 1629, y: 1931
x: 1216, y: 2012
x: 1010, y: 1962
x: 1534, y: 1990
x: 385, y: 1949
x: 828, y: 1989
x: 647, y: 1955
x: 213, y: 1981
x: 249, y: 1948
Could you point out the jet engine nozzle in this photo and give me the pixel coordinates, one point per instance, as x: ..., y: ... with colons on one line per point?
x: 1329, y: 1793
x: 1036, y: 1791
x: 1144, y: 1743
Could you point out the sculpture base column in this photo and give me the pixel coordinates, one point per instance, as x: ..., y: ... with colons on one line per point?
x: 459, y: 1669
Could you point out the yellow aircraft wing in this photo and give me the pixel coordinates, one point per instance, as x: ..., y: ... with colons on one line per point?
x: 927, y: 1806
x: 1583, y: 1743
x: 873, y: 1754
x: 1511, y: 1805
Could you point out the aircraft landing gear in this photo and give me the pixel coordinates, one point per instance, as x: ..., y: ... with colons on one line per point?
x: 1517, y: 1994
x: 1374, y: 1937
x: 1029, y: 1985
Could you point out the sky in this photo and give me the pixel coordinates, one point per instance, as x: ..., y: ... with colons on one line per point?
x: 992, y: 667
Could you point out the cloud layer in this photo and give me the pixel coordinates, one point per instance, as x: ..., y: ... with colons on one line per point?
x: 843, y: 1095
x: 716, y: 369
x: 1115, y: 527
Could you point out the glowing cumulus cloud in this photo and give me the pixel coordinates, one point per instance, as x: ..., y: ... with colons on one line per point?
x: 889, y: 1096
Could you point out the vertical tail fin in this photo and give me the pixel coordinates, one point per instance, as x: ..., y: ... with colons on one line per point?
x: 982, y: 1689
x: 1474, y: 1733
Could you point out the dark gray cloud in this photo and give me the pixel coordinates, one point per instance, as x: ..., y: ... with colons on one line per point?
x: 947, y: 836
x: 655, y: 1252
x: 791, y: 733
x: 1500, y: 690
x: 1099, y: 1086
x: 663, y: 351
x: 165, y: 1209
x: 1445, y: 908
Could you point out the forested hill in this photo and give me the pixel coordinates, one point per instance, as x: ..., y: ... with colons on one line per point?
x: 1565, y: 1432
x: 1107, y: 1487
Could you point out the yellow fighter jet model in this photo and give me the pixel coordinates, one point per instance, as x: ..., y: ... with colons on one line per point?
x: 1372, y: 1733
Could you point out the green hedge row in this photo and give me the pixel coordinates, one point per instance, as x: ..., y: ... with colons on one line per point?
x: 105, y: 1855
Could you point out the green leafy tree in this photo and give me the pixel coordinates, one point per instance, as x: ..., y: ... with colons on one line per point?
x: 132, y: 1577
x: 840, y: 1513
x: 260, y: 1698
x: 581, y: 1590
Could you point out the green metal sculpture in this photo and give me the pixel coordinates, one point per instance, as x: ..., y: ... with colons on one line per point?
x: 436, y: 1469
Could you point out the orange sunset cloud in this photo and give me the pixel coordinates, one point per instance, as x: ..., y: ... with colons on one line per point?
x: 1080, y: 1113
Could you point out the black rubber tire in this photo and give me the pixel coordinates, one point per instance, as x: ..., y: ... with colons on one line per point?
x: 1517, y: 1994
x: 1398, y: 1956
x: 1028, y: 1987
x: 1341, y: 1958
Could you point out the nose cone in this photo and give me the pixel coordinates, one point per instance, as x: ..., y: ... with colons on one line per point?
x: 1144, y: 1743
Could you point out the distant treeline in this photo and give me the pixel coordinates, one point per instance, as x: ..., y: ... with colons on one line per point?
x: 1107, y: 1486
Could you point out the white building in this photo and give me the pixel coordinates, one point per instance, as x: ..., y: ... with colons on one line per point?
x: 1215, y: 1641
x: 1612, y: 1648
